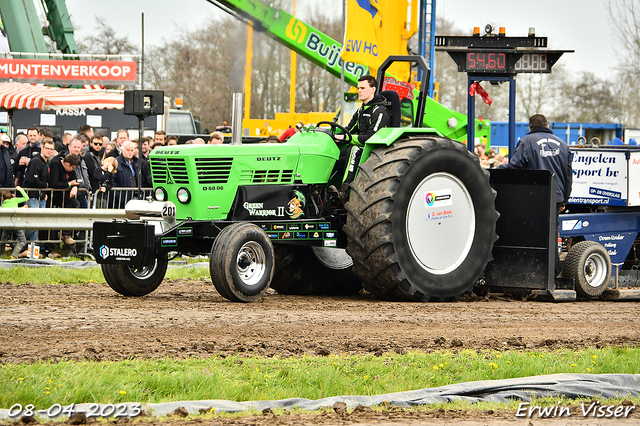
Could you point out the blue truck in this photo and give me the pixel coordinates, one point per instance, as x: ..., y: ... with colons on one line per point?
x: 600, y: 230
x: 597, y: 234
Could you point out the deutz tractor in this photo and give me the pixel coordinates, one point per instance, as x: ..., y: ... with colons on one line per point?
x: 419, y: 223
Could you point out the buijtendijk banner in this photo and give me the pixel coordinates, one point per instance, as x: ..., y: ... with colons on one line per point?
x: 73, y: 72
x: 360, y: 43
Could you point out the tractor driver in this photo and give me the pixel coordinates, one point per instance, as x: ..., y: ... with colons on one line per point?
x: 368, y: 119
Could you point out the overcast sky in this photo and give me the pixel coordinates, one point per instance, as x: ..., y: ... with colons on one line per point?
x: 580, y: 25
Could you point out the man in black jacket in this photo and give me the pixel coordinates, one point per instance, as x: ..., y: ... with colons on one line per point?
x: 37, y: 176
x: 26, y: 154
x: 127, y: 174
x: 368, y: 119
x: 372, y: 115
x: 82, y: 173
x: 6, y: 162
x: 540, y: 149
x: 93, y: 159
x: 63, y: 176
x: 21, y: 142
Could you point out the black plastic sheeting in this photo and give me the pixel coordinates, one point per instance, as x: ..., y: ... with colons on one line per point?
x: 573, y: 386
x: 39, y: 263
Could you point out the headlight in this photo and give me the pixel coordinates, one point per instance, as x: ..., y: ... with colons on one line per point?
x: 184, y: 196
x: 160, y: 194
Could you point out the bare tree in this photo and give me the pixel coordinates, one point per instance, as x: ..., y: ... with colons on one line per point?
x: 106, y: 42
x: 593, y: 100
x: 317, y: 87
x: 624, y: 91
x: 452, y: 91
x: 196, y: 67
x: 549, y: 94
x: 625, y: 16
x: 206, y: 65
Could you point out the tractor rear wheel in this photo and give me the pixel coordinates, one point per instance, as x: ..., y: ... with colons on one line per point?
x: 241, y: 262
x: 589, y: 264
x: 314, y: 271
x: 421, y: 220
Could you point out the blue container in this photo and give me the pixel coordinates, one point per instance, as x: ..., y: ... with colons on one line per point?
x: 568, y: 132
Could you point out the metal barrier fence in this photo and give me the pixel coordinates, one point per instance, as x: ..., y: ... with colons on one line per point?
x: 52, y: 214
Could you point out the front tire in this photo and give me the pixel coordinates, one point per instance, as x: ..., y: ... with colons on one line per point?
x: 589, y: 264
x: 421, y: 220
x: 241, y: 263
x: 137, y: 282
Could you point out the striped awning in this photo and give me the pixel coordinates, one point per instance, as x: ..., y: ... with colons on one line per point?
x: 37, y: 96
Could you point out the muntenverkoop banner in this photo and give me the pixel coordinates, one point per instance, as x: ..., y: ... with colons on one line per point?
x: 68, y: 71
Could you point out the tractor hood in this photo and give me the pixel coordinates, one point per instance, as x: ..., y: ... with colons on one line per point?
x: 211, y: 174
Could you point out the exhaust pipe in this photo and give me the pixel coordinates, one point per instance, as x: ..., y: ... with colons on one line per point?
x: 236, y: 120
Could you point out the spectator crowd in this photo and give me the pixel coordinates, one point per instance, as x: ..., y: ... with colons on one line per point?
x: 70, y: 173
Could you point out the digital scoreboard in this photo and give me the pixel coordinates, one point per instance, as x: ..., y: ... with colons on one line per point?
x: 500, y: 55
x: 497, y: 62
x: 506, y: 61
x: 486, y: 62
x: 533, y: 62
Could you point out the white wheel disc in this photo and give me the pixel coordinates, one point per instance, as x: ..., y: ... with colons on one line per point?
x: 440, y: 223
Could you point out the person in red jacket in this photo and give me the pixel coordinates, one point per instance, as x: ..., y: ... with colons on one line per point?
x: 290, y: 132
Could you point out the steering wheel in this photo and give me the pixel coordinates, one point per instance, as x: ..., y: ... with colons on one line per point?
x: 334, y: 127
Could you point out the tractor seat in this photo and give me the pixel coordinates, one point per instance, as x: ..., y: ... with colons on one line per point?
x: 393, y: 106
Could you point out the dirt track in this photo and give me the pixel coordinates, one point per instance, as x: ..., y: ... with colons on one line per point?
x: 183, y: 319
x: 186, y: 319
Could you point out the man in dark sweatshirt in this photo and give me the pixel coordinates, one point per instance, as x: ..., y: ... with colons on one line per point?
x: 542, y: 150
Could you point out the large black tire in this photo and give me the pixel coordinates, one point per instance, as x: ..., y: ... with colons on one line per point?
x: 241, y: 262
x: 421, y: 220
x: 299, y: 271
x: 135, y: 281
x: 589, y: 264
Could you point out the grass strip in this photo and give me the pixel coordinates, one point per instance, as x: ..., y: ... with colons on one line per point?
x: 60, y: 275
x: 242, y: 379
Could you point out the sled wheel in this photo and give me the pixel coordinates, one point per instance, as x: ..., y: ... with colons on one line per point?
x: 241, y: 263
x: 421, y: 220
x: 589, y: 264
x: 314, y: 271
x: 137, y: 282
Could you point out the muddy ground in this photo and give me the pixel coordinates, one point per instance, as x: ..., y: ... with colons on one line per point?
x: 189, y: 319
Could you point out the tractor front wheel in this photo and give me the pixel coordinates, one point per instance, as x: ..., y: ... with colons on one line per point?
x: 241, y: 263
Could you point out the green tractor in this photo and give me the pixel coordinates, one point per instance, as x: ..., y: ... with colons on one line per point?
x: 419, y: 223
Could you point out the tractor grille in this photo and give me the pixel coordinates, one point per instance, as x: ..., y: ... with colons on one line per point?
x: 169, y: 170
x: 266, y: 176
x: 213, y: 170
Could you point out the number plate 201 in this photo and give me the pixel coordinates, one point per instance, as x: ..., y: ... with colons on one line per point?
x: 169, y: 210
